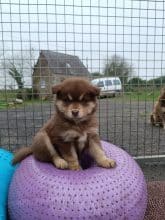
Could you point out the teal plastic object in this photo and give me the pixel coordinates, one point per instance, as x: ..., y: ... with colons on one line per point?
x: 6, y: 172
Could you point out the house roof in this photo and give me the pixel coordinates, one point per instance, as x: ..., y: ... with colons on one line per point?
x: 65, y: 64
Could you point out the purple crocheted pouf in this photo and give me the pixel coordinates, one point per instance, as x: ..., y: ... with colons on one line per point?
x: 42, y: 192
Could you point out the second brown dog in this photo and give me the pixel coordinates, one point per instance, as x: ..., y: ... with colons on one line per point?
x: 157, y: 117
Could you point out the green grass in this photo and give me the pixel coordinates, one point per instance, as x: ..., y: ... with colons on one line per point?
x: 8, y: 97
x: 146, y: 95
x: 3, y: 104
x: 7, y: 105
x: 142, y: 95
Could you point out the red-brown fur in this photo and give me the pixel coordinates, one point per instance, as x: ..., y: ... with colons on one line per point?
x: 71, y: 129
x: 157, y: 116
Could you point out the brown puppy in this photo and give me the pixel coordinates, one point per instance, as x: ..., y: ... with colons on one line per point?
x: 157, y: 117
x: 72, y: 129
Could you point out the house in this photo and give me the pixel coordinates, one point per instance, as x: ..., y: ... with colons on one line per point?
x: 52, y: 67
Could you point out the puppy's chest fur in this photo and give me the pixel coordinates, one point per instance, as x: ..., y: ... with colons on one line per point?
x: 74, y: 136
x: 62, y: 132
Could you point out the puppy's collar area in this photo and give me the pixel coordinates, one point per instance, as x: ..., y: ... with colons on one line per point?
x: 71, y: 120
x: 76, y: 120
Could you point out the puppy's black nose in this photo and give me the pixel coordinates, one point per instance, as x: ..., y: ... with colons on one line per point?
x: 75, y: 112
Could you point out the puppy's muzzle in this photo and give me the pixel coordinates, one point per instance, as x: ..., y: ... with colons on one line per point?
x: 75, y: 112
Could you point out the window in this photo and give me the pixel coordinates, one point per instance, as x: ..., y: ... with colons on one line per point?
x: 100, y: 84
x: 116, y: 82
x: 108, y: 82
x: 42, y: 84
x: 69, y: 69
x: 68, y: 65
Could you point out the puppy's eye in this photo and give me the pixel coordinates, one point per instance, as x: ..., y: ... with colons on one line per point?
x: 66, y: 100
x: 86, y: 99
x: 83, y: 100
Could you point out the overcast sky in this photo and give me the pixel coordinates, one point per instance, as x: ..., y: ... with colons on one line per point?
x: 94, y: 30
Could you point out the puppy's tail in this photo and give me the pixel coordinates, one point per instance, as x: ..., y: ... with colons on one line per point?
x: 22, y: 154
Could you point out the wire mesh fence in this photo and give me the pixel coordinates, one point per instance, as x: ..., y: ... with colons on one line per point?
x: 43, y: 42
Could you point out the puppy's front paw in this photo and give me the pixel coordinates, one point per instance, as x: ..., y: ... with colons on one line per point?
x: 60, y: 163
x: 107, y: 163
x: 74, y: 166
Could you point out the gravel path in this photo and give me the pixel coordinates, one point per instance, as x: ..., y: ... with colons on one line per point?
x: 125, y: 124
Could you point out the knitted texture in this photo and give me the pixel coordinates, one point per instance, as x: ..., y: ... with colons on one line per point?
x: 40, y: 191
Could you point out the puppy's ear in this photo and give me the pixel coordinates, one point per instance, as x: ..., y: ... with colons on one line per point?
x: 162, y: 97
x: 163, y: 90
x: 162, y: 93
x: 56, y: 88
x: 94, y: 90
x: 62, y: 78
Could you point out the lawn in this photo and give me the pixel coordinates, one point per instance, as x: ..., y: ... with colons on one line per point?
x: 9, y: 105
x: 143, y: 94
x: 7, y: 99
x: 146, y: 95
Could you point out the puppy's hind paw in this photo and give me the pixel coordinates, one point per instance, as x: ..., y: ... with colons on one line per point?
x: 60, y: 163
x: 107, y: 163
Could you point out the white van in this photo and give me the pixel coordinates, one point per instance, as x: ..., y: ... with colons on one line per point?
x: 108, y: 85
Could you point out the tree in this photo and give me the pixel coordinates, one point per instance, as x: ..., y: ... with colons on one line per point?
x: 95, y: 74
x: 159, y: 81
x: 16, y: 75
x: 19, y: 66
x: 137, y: 81
x: 118, y: 66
